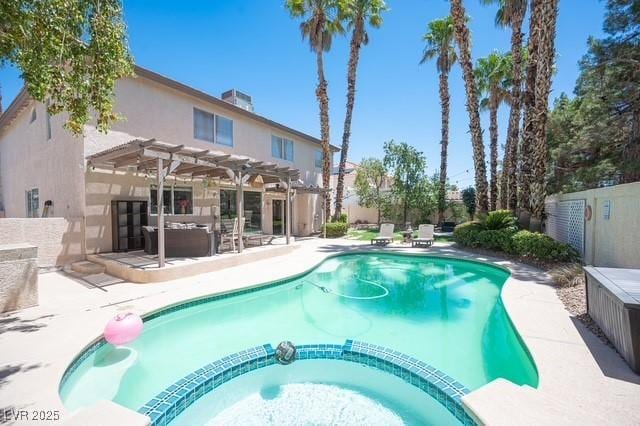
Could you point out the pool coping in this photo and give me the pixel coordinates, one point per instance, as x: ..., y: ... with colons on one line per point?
x: 176, y: 398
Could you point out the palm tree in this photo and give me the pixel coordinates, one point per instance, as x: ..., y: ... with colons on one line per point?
x: 439, y: 41
x: 546, y: 57
x: 492, y: 77
x: 525, y: 152
x: 463, y: 41
x: 320, y: 23
x: 356, y: 13
x: 511, y: 14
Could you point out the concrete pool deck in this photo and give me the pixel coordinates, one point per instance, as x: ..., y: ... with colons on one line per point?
x: 582, y: 381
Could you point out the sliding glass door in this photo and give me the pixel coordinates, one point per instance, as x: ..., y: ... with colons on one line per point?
x: 252, y: 208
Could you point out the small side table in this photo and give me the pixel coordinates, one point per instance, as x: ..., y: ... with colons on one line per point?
x: 407, y: 236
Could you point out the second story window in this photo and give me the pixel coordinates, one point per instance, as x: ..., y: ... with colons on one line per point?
x: 224, y: 131
x: 318, y: 159
x: 203, y: 124
x: 282, y: 148
x: 212, y: 128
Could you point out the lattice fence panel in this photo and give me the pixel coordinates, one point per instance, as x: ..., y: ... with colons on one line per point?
x: 565, y: 222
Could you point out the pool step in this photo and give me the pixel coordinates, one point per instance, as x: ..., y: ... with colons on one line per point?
x: 87, y: 267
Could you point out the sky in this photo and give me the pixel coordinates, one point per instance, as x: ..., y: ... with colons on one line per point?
x: 256, y: 47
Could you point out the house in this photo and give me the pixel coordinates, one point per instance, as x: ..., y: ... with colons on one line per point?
x: 351, y: 203
x: 44, y: 170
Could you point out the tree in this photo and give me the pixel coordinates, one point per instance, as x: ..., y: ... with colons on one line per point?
x: 594, y: 138
x: 407, y: 165
x: 320, y: 23
x: 439, y: 41
x: 70, y: 54
x: 529, y: 103
x: 357, y: 13
x: 546, y: 60
x: 511, y: 14
x: 370, y: 179
x: 469, y: 201
x: 493, y: 78
x: 463, y: 40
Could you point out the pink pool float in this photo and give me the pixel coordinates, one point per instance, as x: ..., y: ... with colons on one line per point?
x: 123, y: 328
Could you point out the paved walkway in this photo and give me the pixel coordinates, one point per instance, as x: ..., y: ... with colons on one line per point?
x: 582, y: 381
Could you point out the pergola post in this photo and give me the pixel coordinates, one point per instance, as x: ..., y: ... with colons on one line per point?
x: 160, y: 204
x: 240, y: 209
x: 288, y: 210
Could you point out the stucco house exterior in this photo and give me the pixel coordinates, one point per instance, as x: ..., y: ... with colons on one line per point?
x: 44, y: 172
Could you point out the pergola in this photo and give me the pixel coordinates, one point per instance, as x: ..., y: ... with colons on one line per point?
x: 164, y: 159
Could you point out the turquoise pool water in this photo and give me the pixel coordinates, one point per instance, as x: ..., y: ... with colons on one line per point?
x: 445, y: 312
x: 326, y: 392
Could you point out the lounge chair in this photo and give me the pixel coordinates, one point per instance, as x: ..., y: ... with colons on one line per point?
x: 425, y: 236
x: 385, y: 236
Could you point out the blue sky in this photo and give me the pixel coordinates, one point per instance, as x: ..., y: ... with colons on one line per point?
x: 254, y: 46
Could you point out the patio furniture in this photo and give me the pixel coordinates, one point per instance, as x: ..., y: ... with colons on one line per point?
x: 196, y: 241
x: 447, y: 226
x: 385, y: 235
x: 229, y: 231
x: 613, y: 301
x: 407, y: 236
x: 425, y: 236
x: 150, y: 239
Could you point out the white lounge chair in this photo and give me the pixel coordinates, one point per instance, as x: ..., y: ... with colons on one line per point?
x: 385, y: 236
x: 425, y: 236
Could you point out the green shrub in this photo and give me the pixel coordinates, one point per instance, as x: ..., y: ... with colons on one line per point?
x: 341, y: 219
x: 500, y: 219
x: 466, y: 234
x: 495, y: 239
x: 336, y: 229
x: 542, y: 247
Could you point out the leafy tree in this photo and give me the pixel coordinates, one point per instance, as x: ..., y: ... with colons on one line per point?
x: 407, y: 166
x: 356, y: 13
x: 439, y: 43
x: 70, y: 54
x: 469, y: 201
x: 370, y: 179
x: 493, y: 76
x: 321, y: 21
x: 463, y: 40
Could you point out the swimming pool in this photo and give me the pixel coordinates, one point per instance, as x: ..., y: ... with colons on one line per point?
x: 442, y: 311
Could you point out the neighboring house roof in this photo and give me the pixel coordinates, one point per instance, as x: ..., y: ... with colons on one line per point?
x: 22, y: 101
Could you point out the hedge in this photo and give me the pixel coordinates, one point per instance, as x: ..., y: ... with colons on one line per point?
x: 508, y: 239
x: 336, y: 229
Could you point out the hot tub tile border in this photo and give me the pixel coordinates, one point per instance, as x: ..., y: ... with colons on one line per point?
x: 168, y: 404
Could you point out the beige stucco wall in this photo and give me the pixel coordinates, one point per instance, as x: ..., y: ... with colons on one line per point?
x: 153, y: 110
x: 18, y: 277
x: 28, y: 160
x: 59, y: 240
x: 611, y: 242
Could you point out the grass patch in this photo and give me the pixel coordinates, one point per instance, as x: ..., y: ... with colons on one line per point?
x: 368, y: 235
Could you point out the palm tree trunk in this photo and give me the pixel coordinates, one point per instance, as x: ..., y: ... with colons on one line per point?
x: 526, y: 148
x: 444, y: 143
x: 543, y: 88
x: 463, y: 39
x: 354, y: 56
x: 323, y: 102
x: 511, y: 151
x: 493, y: 147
